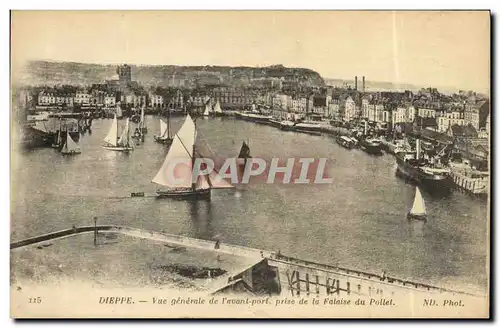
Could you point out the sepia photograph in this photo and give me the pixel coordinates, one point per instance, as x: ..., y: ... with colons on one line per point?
x: 250, y: 164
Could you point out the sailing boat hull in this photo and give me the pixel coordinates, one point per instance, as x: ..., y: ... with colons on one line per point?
x: 421, y: 217
x: 71, y: 152
x: 166, y: 141
x: 184, y: 194
x: 431, y: 182
x: 118, y: 148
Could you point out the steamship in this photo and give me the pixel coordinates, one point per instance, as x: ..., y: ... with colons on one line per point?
x: 431, y: 176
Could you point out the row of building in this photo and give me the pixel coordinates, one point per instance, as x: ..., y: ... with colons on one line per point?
x: 439, y: 111
x: 346, y: 106
x: 99, y: 98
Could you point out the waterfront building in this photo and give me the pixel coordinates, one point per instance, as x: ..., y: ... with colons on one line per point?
x: 178, y: 100
x: 426, y: 112
x: 349, y: 109
x: 298, y: 105
x: 371, y: 112
x: 235, y: 97
x: 412, y: 113
x: 365, y: 102
x: 399, y: 115
x: 82, y: 97
x: 109, y: 100
x: 199, y: 100
x: 46, y: 98
x: 134, y: 99
x: 334, y: 109
x: 155, y: 100
x: 477, y: 113
x: 97, y: 97
x: 450, y: 118
x: 379, y: 113
x: 54, y: 98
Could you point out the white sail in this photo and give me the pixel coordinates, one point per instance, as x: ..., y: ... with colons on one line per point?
x: 219, y: 183
x: 418, y: 207
x: 207, y: 110
x: 112, y: 135
x: 202, y: 182
x: 217, y: 108
x: 124, y: 137
x: 70, y: 145
x: 163, y: 129
x: 176, y: 170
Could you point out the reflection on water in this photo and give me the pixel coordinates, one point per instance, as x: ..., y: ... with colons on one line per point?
x: 416, y: 228
x: 201, y: 217
x: 357, y: 221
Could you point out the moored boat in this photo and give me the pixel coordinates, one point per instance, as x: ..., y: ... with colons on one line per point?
x: 257, y: 117
x: 287, y: 125
x: 165, y: 134
x: 370, y: 145
x: 275, y: 122
x: 217, y: 109
x: 70, y: 147
x: 345, y: 142
x: 309, y: 127
x: 207, y: 111
x: 431, y: 177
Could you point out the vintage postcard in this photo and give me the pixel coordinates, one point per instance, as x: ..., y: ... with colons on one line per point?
x: 250, y: 164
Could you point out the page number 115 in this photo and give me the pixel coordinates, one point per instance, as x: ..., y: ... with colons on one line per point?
x: 35, y: 300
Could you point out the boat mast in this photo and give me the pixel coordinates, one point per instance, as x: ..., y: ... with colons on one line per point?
x: 193, y: 184
x: 128, y: 133
x: 168, y: 124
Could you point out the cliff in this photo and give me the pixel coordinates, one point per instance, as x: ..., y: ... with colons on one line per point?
x: 51, y: 73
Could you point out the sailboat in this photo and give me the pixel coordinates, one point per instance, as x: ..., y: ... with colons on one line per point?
x: 164, y: 136
x: 70, y: 147
x: 57, y: 141
x: 244, y: 152
x: 111, y: 140
x: 217, y: 109
x: 242, y: 158
x: 179, y: 162
x: 418, y: 209
x: 207, y: 111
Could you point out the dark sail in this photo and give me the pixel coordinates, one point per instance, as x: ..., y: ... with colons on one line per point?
x: 244, y: 151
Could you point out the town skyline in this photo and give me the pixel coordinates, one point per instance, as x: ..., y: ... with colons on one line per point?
x: 436, y: 58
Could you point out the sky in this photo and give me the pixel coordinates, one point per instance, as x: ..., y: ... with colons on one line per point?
x: 449, y: 49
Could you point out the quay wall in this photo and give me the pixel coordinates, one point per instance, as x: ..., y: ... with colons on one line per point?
x: 475, y: 186
x: 331, y: 279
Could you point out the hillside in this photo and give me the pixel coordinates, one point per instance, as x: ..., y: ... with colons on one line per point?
x: 50, y: 73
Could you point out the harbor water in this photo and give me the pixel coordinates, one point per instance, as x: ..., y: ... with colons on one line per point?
x: 358, y: 221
